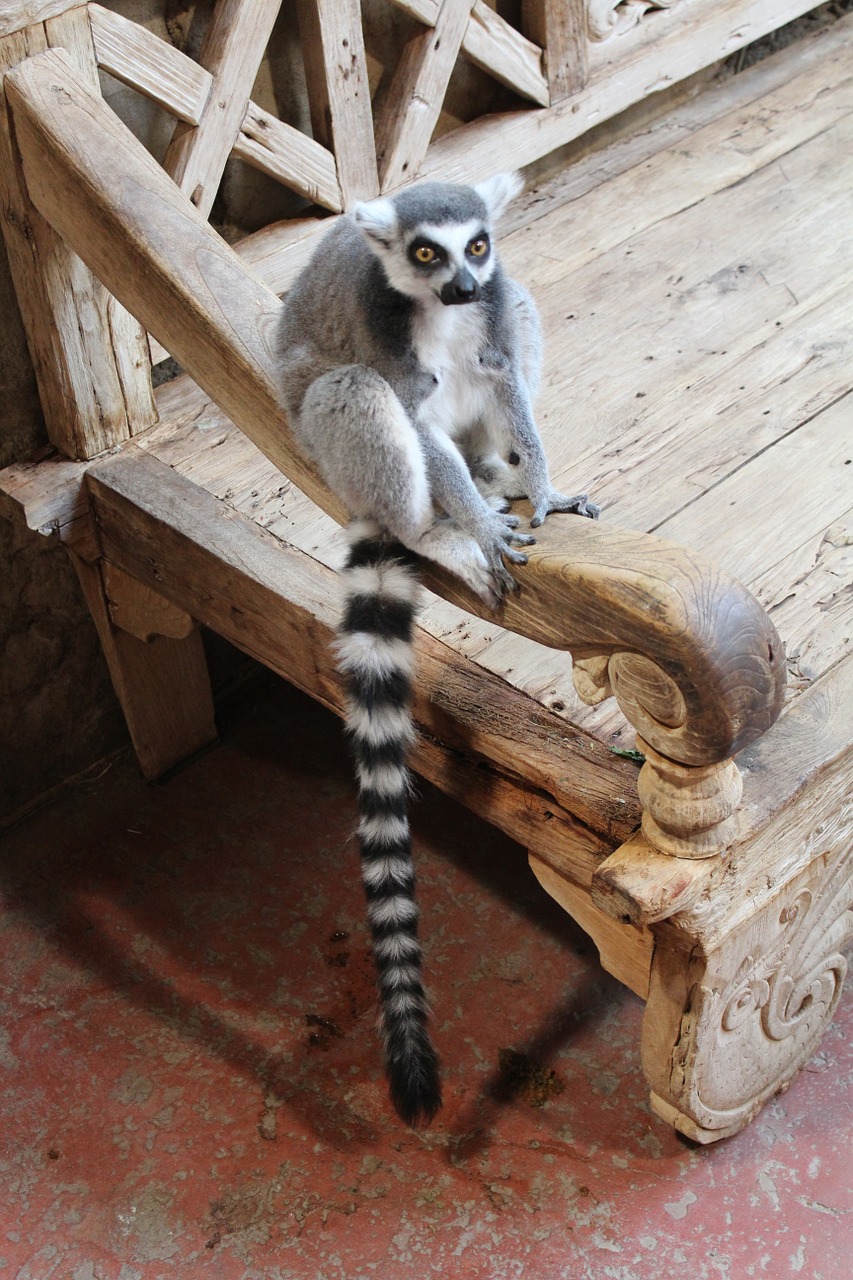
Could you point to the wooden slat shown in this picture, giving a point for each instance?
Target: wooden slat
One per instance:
(150, 65)
(339, 91)
(289, 156)
(232, 50)
(416, 94)
(637, 68)
(808, 473)
(162, 684)
(279, 252)
(15, 15)
(492, 44)
(714, 158)
(808, 595)
(162, 73)
(113, 202)
(87, 354)
(495, 46)
(745, 300)
(279, 264)
(127, 339)
(560, 27)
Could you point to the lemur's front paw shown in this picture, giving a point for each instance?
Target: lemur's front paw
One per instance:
(579, 505)
(500, 539)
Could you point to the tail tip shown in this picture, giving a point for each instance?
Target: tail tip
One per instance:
(414, 1080)
(417, 1101)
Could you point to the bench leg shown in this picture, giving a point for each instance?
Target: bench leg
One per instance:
(730, 1022)
(157, 665)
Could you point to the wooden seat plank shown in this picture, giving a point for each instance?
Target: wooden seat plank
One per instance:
(784, 496)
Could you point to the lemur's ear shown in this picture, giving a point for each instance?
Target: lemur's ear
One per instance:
(377, 220)
(499, 191)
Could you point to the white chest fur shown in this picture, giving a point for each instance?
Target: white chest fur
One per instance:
(447, 343)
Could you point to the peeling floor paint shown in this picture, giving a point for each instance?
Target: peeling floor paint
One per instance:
(191, 1075)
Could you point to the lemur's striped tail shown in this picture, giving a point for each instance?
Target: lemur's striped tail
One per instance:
(375, 652)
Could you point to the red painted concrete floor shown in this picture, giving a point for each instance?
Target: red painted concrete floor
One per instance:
(191, 1077)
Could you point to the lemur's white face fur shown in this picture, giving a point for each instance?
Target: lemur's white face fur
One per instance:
(434, 240)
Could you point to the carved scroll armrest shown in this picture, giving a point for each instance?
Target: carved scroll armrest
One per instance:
(691, 657)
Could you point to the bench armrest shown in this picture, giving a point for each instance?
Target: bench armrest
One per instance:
(691, 656)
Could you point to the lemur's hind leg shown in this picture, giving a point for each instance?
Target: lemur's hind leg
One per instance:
(355, 427)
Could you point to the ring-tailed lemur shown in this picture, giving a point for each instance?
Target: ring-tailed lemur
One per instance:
(410, 361)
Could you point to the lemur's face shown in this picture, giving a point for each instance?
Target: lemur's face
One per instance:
(449, 262)
(435, 240)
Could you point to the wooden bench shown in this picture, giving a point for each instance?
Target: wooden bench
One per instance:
(720, 890)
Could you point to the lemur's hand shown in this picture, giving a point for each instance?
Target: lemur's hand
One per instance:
(498, 537)
(579, 505)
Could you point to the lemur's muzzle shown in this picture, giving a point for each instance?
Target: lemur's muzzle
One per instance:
(464, 287)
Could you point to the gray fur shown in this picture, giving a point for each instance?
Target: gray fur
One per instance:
(412, 408)
(409, 363)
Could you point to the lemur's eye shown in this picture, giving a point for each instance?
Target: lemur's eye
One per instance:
(479, 248)
(424, 253)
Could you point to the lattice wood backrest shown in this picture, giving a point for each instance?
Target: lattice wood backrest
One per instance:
(350, 156)
(93, 376)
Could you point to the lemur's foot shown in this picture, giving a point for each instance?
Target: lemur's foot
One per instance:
(478, 560)
(579, 505)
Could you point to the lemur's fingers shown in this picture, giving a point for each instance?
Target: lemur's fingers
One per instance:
(513, 556)
(502, 582)
(579, 505)
(522, 539)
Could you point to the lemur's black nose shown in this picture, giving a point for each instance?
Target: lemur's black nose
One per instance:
(464, 287)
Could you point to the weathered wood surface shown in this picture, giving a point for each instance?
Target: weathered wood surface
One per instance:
(338, 91)
(588, 588)
(15, 15)
(491, 43)
(625, 71)
(793, 775)
(743, 985)
(414, 101)
(89, 355)
(339, 164)
(626, 949)
(231, 52)
(561, 30)
(162, 684)
(738, 343)
(155, 68)
(180, 541)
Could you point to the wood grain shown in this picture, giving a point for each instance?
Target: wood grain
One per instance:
(233, 46)
(491, 43)
(267, 598)
(627, 71)
(560, 27)
(149, 64)
(162, 685)
(339, 91)
(416, 94)
(93, 396)
(587, 588)
(15, 15)
(289, 156)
